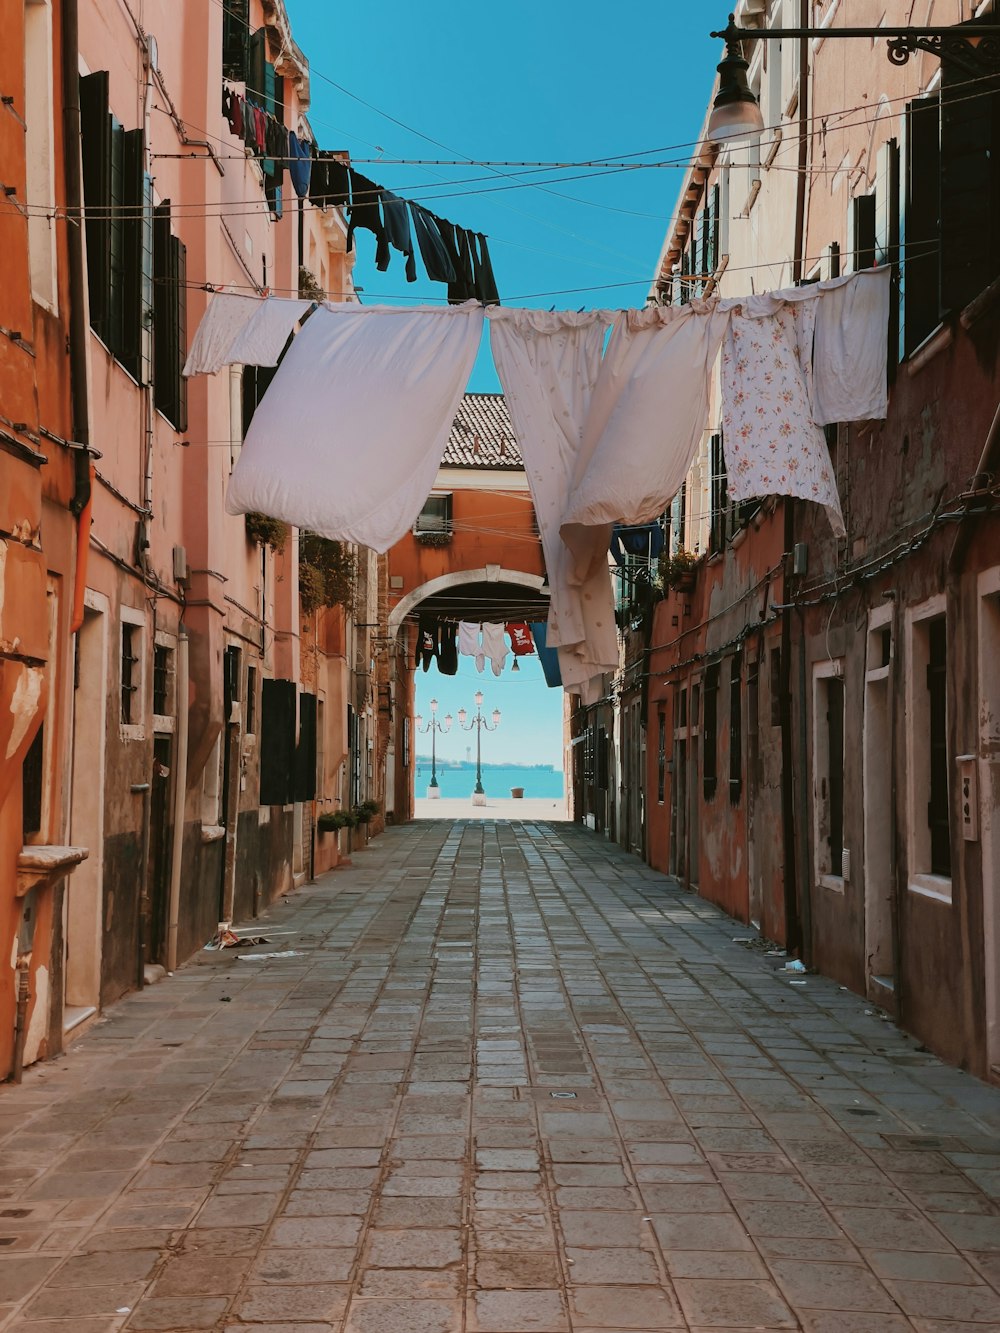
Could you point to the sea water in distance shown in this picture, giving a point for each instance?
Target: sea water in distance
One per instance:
(458, 782)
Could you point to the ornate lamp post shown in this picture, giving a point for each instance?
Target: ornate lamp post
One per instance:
(478, 723)
(434, 726)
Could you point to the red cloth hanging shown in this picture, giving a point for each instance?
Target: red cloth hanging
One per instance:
(521, 640)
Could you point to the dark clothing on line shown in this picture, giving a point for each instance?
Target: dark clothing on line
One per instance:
(396, 221)
(486, 283)
(448, 649)
(366, 213)
(432, 248)
(299, 164)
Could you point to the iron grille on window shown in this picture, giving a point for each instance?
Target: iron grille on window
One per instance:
(130, 660)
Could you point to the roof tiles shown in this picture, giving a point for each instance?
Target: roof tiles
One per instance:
(482, 435)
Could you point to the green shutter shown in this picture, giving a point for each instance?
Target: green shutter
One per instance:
(861, 229)
(133, 228)
(970, 185)
(277, 741)
(146, 286)
(114, 335)
(256, 63)
(180, 385)
(305, 751)
(887, 233)
(920, 224)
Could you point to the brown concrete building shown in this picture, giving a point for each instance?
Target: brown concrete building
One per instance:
(822, 736)
(44, 501)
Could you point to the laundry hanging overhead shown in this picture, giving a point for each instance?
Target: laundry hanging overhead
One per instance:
(243, 330)
(348, 438)
(549, 364)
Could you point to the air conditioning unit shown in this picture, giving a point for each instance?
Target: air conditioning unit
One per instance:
(182, 574)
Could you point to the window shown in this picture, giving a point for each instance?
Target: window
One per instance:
(661, 759)
(39, 100)
(861, 228)
(277, 741)
(929, 778)
(709, 737)
(250, 704)
(735, 727)
(163, 680)
(828, 773)
(970, 184)
(169, 320)
(32, 786)
(720, 495)
(256, 382)
(235, 39)
(435, 517)
(130, 673)
(305, 749)
(118, 195)
(678, 519)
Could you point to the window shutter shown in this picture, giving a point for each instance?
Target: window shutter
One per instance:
(235, 39)
(970, 185)
(720, 494)
(305, 751)
(95, 126)
(133, 227)
(861, 228)
(180, 384)
(920, 223)
(256, 62)
(887, 232)
(277, 741)
(170, 320)
(146, 285)
(114, 335)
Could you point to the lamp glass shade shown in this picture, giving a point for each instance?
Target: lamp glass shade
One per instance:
(462, 715)
(496, 717)
(434, 705)
(735, 120)
(419, 719)
(448, 719)
(479, 698)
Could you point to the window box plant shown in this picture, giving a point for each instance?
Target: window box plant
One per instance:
(678, 570)
(266, 531)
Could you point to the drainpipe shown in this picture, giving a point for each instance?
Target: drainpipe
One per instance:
(78, 304)
(180, 794)
(145, 790)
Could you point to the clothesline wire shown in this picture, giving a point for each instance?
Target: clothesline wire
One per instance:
(914, 249)
(465, 160)
(612, 169)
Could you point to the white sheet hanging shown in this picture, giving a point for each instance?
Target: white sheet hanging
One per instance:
(646, 419)
(549, 365)
(348, 438)
(243, 330)
(849, 355)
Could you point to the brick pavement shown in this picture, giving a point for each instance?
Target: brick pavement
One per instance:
(511, 1080)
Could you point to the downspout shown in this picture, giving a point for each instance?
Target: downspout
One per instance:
(82, 500)
(181, 685)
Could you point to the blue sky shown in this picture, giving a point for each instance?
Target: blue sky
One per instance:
(549, 80)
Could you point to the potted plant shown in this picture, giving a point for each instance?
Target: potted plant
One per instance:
(332, 821)
(678, 570)
(266, 531)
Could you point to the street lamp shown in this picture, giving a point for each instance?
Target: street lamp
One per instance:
(478, 723)
(434, 726)
(974, 47)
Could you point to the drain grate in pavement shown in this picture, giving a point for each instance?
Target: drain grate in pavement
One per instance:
(567, 1096)
(861, 1110)
(923, 1143)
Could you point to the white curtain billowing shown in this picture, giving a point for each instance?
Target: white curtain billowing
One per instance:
(549, 365)
(646, 419)
(349, 436)
(243, 330)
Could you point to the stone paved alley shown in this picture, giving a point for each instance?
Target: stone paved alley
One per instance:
(509, 1079)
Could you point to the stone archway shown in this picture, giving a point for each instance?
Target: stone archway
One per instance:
(457, 579)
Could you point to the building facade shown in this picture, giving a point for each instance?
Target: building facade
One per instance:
(821, 716)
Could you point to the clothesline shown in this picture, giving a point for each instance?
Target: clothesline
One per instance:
(607, 426)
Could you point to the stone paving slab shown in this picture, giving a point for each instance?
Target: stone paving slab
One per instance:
(506, 1079)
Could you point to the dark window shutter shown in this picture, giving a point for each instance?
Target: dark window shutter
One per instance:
(134, 240)
(720, 495)
(862, 231)
(256, 381)
(920, 224)
(114, 335)
(277, 741)
(146, 285)
(256, 61)
(170, 320)
(235, 38)
(305, 751)
(735, 727)
(970, 185)
(95, 133)
(887, 232)
(709, 762)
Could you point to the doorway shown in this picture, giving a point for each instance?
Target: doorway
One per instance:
(159, 849)
(83, 924)
(878, 818)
